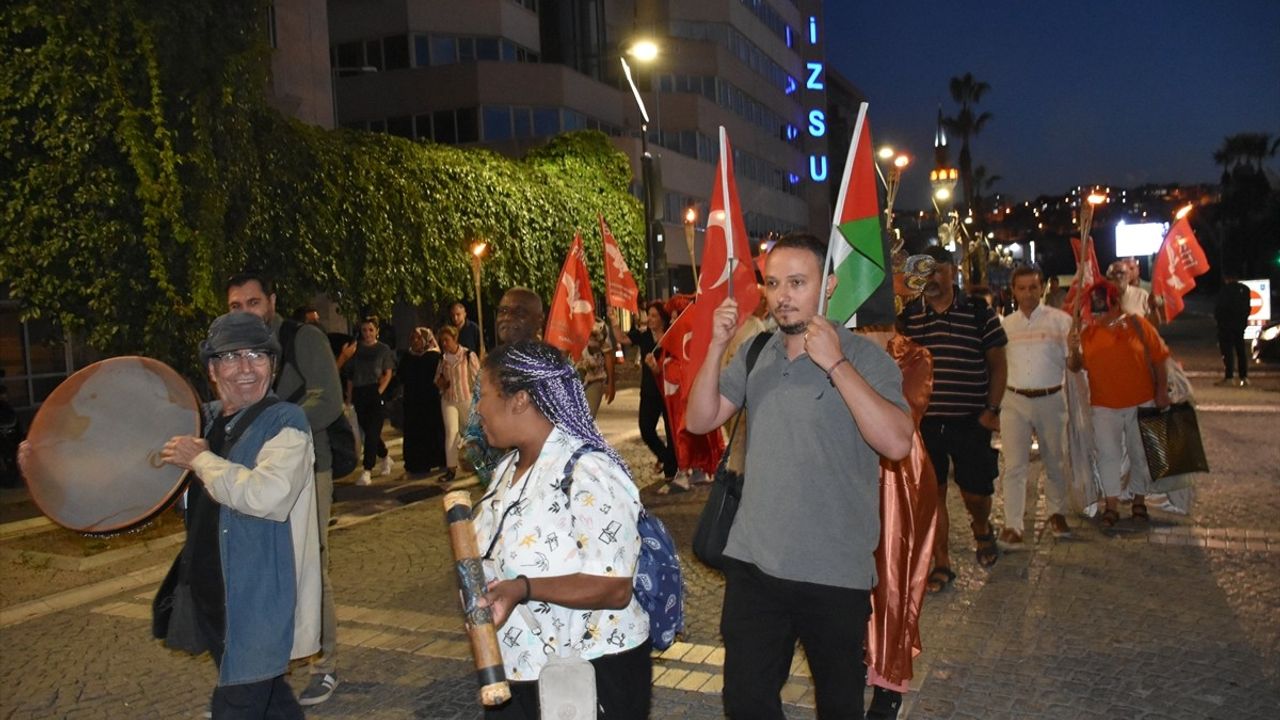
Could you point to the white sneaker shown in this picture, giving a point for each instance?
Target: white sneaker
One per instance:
(386, 466)
(365, 479)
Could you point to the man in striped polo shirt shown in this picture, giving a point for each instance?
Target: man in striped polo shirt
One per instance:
(967, 343)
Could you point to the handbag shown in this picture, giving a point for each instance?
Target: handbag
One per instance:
(1171, 440)
(716, 520)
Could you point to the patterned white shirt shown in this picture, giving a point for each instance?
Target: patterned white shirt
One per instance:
(547, 533)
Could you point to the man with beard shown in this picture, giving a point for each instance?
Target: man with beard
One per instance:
(520, 317)
(800, 561)
(967, 343)
(309, 378)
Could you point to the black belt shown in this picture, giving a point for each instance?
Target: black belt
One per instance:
(1045, 392)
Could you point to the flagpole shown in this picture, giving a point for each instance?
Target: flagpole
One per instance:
(844, 188)
(728, 221)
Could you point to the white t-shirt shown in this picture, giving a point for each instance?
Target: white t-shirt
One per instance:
(546, 534)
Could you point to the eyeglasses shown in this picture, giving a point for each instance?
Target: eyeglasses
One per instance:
(255, 357)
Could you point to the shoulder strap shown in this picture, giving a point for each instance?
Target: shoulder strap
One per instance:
(245, 420)
(753, 353)
(288, 338)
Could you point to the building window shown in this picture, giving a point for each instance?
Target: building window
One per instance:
(468, 126)
(422, 127)
(522, 120)
(466, 49)
(446, 127)
(546, 122)
(421, 51)
(497, 123)
(444, 50)
(487, 48)
(402, 126)
(350, 58)
(396, 51)
(373, 54)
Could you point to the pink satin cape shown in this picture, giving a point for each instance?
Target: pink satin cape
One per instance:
(908, 504)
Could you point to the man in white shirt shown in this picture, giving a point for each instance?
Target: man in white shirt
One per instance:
(1133, 299)
(1037, 359)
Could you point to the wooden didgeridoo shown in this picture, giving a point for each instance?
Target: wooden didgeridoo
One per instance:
(484, 636)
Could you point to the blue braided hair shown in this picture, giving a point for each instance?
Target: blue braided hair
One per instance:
(553, 385)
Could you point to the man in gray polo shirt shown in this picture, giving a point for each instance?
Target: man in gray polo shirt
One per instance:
(825, 405)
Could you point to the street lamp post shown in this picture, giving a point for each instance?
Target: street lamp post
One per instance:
(690, 218)
(897, 163)
(478, 249)
(645, 51)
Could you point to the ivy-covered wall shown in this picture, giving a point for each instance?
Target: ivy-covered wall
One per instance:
(142, 166)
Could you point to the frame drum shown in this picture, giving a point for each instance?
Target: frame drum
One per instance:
(94, 464)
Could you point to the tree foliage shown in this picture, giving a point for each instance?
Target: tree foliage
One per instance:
(142, 165)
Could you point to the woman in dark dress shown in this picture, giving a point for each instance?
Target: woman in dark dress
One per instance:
(423, 427)
(652, 407)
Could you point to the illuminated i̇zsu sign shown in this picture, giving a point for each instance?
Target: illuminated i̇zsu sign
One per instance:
(815, 89)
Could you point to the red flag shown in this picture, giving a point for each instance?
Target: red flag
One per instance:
(1087, 273)
(619, 283)
(573, 310)
(693, 452)
(725, 247)
(1180, 260)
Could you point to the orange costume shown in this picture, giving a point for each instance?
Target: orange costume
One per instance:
(908, 503)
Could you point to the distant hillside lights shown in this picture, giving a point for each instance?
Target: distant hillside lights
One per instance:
(816, 84)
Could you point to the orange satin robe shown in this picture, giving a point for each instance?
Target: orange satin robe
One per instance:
(908, 504)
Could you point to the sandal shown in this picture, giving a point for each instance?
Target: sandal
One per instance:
(987, 552)
(1140, 512)
(1110, 517)
(940, 579)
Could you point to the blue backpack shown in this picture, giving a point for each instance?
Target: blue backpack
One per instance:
(658, 584)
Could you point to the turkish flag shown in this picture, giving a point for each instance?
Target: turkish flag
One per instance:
(1180, 261)
(619, 283)
(1087, 273)
(693, 452)
(726, 254)
(573, 309)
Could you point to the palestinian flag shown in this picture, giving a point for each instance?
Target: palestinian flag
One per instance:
(858, 251)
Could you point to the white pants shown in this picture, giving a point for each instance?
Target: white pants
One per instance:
(455, 416)
(1115, 436)
(1047, 415)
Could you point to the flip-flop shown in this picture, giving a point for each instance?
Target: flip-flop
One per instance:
(940, 579)
(987, 553)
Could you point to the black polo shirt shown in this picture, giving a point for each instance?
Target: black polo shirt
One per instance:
(958, 338)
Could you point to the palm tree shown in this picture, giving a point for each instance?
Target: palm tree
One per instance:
(967, 123)
(983, 184)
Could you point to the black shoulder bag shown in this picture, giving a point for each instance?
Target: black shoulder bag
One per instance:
(716, 520)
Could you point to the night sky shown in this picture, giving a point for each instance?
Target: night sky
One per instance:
(1084, 92)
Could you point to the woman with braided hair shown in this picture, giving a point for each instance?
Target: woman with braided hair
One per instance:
(560, 527)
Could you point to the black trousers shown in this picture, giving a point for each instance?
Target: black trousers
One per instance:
(624, 689)
(1235, 351)
(763, 616)
(264, 700)
(652, 409)
(370, 413)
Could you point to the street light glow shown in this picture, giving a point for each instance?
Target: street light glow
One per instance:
(1096, 198)
(901, 161)
(644, 51)
(1182, 212)
(885, 152)
(942, 194)
(478, 248)
(690, 216)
